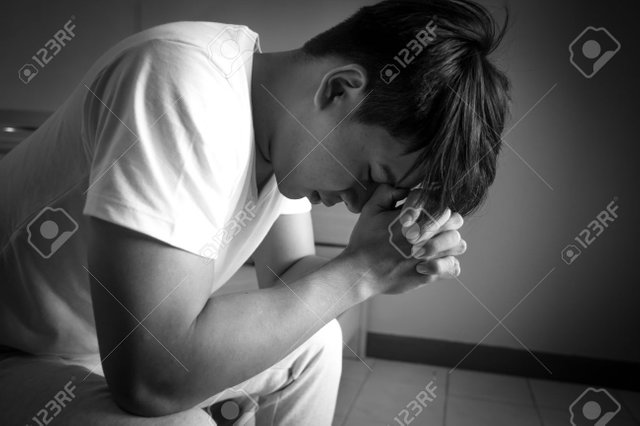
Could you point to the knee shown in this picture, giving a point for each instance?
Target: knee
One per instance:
(333, 335)
(329, 342)
(321, 354)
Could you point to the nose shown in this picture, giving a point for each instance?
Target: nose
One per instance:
(357, 197)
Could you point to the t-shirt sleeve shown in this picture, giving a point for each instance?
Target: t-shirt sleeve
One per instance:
(289, 206)
(160, 165)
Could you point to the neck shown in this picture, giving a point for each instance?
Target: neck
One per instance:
(269, 71)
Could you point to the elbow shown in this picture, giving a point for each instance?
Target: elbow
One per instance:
(146, 398)
(142, 403)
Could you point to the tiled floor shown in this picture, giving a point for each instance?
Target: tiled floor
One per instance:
(376, 394)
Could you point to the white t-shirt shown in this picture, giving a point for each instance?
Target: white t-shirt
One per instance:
(157, 138)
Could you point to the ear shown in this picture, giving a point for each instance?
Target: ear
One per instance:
(341, 83)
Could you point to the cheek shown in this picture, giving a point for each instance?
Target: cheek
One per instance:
(305, 166)
(293, 171)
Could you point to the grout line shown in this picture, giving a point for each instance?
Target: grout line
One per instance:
(446, 398)
(535, 401)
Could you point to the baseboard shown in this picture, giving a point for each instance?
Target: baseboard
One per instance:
(566, 368)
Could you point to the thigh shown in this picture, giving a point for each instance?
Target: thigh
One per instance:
(37, 391)
(265, 387)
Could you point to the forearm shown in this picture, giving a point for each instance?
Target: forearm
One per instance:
(298, 270)
(236, 336)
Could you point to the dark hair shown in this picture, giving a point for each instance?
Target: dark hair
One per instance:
(449, 103)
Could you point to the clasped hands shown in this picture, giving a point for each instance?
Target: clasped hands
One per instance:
(437, 242)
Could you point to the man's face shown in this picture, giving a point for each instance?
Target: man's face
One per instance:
(346, 167)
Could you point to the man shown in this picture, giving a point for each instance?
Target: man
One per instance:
(116, 213)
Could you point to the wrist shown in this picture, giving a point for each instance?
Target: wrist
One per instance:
(353, 265)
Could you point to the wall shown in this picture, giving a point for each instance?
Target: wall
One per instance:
(572, 155)
(568, 158)
(26, 26)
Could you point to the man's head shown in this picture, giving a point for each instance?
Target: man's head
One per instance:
(433, 118)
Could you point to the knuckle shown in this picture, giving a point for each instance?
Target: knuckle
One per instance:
(448, 239)
(429, 249)
(431, 267)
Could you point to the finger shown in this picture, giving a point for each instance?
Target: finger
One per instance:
(455, 222)
(461, 248)
(442, 241)
(416, 233)
(385, 197)
(447, 266)
(410, 208)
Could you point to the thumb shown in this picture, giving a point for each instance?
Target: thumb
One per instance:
(385, 197)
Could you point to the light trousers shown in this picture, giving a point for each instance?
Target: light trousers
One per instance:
(300, 389)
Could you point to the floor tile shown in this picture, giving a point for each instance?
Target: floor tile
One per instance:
(393, 387)
(476, 412)
(555, 398)
(354, 421)
(378, 397)
(558, 395)
(406, 373)
(553, 417)
(494, 387)
(632, 402)
(347, 395)
(354, 373)
(354, 369)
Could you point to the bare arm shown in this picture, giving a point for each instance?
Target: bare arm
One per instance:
(287, 251)
(190, 346)
(166, 345)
